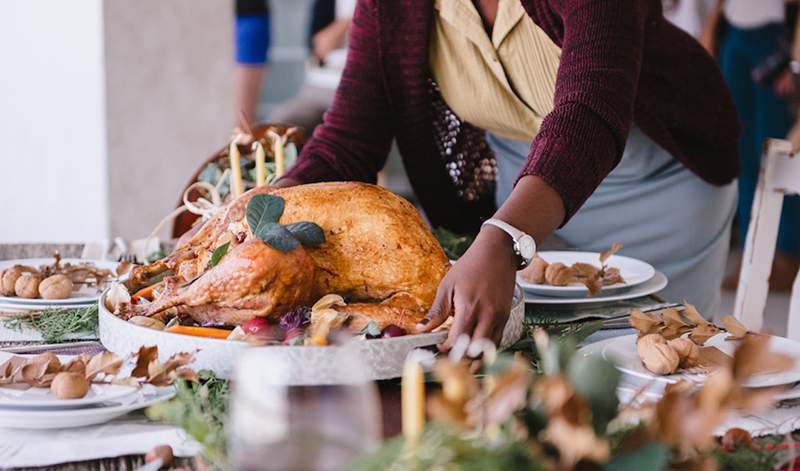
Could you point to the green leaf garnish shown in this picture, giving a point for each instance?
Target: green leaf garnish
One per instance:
(308, 233)
(280, 238)
(219, 252)
(371, 329)
(263, 210)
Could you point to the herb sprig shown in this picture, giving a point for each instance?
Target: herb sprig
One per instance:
(56, 324)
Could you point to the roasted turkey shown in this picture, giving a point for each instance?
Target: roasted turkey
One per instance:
(378, 254)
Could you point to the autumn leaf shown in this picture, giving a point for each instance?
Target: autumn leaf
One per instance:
(702, 332)
(736, 329)
(107, 362)
(144, 357)
(644, 323)
(674, 326)
(616, 247)
(753, 356)
(693, 314)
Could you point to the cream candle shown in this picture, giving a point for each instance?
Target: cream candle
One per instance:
(261, 158)
(236, 169)
(413, 402)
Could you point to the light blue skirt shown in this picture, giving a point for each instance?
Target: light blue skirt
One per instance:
(662, 212)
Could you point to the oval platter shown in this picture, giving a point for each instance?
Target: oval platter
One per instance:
(313, 365)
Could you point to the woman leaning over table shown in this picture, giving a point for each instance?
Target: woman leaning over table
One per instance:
(596, 120)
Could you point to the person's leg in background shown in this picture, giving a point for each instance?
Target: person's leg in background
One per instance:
(253, 33)
(773, 119)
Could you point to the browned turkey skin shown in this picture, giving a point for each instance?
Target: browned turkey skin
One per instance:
(378, 254)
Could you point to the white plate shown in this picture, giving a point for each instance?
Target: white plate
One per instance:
(314, 365)
(622, 351)
(654, 285)
(90, 415)
(83, 295)
(634, 272)
(43, 398)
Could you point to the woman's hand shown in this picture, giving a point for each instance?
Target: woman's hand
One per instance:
(478, 289)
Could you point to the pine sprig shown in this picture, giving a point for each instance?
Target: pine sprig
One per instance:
(56, 324)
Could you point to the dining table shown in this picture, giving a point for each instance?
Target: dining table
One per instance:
(613, 316)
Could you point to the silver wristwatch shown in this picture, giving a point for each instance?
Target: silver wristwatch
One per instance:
(524, 245)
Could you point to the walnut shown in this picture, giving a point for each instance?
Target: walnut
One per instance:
(56, 287)
(687, 351)
(27, 286)
(68, 385)
(558, 274)
(656, 355)
(534, 273)
(10, 276)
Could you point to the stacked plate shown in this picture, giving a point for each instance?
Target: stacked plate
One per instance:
(640, 279)
(85, 296)
(638, 382)
(38, 408)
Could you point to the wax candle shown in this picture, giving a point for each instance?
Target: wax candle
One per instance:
(280, 167)
(261, 171)
(236, 169)
(413, 402)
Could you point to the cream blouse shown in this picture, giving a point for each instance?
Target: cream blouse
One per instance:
(504, 84)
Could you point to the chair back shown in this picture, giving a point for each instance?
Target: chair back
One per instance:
(779, 176)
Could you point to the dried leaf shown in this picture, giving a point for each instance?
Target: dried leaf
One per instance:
(575, 443)
(612, 276)
(159, 374)
(682, 386)
(38, 370)
(616, 247)
(694, 316)
(714, 357)
(644, 323)
(753, 356)
(77, 365)
(736, 329)
(187, 374)
(674, 326)
(585, 270)
(509, 392)
(107, 362)
(129, 381)
(702, 332)
(144, 357)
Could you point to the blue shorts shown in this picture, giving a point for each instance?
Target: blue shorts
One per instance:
(253, 34)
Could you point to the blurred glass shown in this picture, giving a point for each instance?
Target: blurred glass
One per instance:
(275, 426)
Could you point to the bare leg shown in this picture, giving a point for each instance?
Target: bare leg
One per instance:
(247, 89)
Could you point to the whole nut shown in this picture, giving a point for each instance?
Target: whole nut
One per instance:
(534, 273)
(67, 385)
(10, 276)
(27, 286)
(656, 355)
(56, 287)
(687, 351)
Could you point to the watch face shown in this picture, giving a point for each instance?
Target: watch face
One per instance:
(527, 247)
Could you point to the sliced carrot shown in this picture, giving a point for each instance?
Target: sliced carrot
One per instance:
(148, 291)
(200, 331)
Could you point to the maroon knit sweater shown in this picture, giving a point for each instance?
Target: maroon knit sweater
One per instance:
(621, 62)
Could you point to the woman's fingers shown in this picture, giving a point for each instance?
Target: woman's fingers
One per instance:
(463, 323)
(440, 310)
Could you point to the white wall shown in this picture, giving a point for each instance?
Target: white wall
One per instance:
(52, 138)
(106, 108)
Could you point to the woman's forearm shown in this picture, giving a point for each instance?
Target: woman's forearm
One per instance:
(533, 207)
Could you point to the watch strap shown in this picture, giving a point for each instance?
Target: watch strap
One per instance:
(505, 227)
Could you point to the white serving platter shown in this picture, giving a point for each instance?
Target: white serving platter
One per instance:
(83, 295)
(654, 285)
(634, 272)
(80, 417)
(312, 365)
(622, 351)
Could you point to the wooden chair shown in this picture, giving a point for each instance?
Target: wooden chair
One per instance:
(779, 176)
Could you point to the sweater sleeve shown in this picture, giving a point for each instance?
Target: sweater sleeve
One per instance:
(582, 139)
(353, 141)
